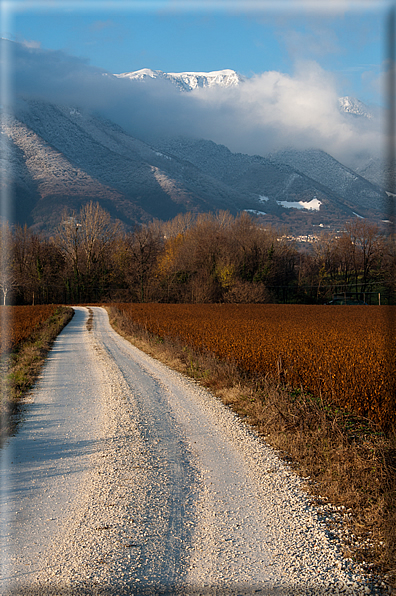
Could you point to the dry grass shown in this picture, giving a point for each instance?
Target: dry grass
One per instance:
(343, 355)
(19, 322)
(348, 462)
(89, 323)
(21, 368)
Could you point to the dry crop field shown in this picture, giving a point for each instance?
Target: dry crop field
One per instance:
(19, 322)
(341, 354)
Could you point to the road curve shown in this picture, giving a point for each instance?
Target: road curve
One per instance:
(127, 478)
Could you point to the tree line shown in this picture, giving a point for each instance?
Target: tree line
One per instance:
(194, 258)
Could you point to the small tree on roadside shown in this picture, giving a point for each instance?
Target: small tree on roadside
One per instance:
(7, 277)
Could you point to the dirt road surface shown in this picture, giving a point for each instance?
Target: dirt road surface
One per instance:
(127, 478)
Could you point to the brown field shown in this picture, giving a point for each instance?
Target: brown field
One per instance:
(343, 355)
(19, 322)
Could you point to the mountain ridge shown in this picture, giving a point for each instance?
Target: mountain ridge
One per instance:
(189, 80)
(63, 157)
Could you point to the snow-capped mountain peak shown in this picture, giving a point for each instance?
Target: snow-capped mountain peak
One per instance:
(141, 74)
(187, 81)
(351, 105)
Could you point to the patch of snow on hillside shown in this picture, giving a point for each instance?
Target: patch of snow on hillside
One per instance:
(263, 198)
(357, 215)
(313, 205)
(255, 212)
(163, 155)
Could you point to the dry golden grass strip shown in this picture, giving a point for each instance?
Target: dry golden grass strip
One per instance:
(19, 322)
(342, 355)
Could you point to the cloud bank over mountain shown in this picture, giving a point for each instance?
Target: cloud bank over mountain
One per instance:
(265, 113)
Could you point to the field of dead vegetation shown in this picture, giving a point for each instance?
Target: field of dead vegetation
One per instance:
(19, 322)
(343, 355)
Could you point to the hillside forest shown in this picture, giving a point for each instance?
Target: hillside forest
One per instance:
(193, 258)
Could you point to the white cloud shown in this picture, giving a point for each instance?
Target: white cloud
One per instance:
(31, 44)
(273, 110)
(269, 111)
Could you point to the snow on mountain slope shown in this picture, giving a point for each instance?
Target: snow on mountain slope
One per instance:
(313, 205)
(377, 170)
(280, 183)
(351, 105)
(63, 157)
(44, 173)
(134, 181)
(187, 81)
(48, 167)
(323, 168)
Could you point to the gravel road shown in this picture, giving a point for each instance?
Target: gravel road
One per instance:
(127, 478)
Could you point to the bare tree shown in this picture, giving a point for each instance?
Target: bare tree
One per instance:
(37, 265)
(143, 247)
(7, 277)
(178, 225)
(344, 257)
(69, 239)
(85, 240)
(365, 245)
(7, 284)
(97, 233)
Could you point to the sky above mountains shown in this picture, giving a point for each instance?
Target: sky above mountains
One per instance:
(344, 37)
(299, 57)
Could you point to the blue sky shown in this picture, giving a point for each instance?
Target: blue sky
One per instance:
(345, 38)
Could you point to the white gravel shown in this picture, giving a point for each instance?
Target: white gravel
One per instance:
(127, 478)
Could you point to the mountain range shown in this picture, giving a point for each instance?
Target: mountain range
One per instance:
(61, 157)
(187, 81)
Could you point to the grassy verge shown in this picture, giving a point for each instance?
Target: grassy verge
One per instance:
(348, 463)
(22, 367)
